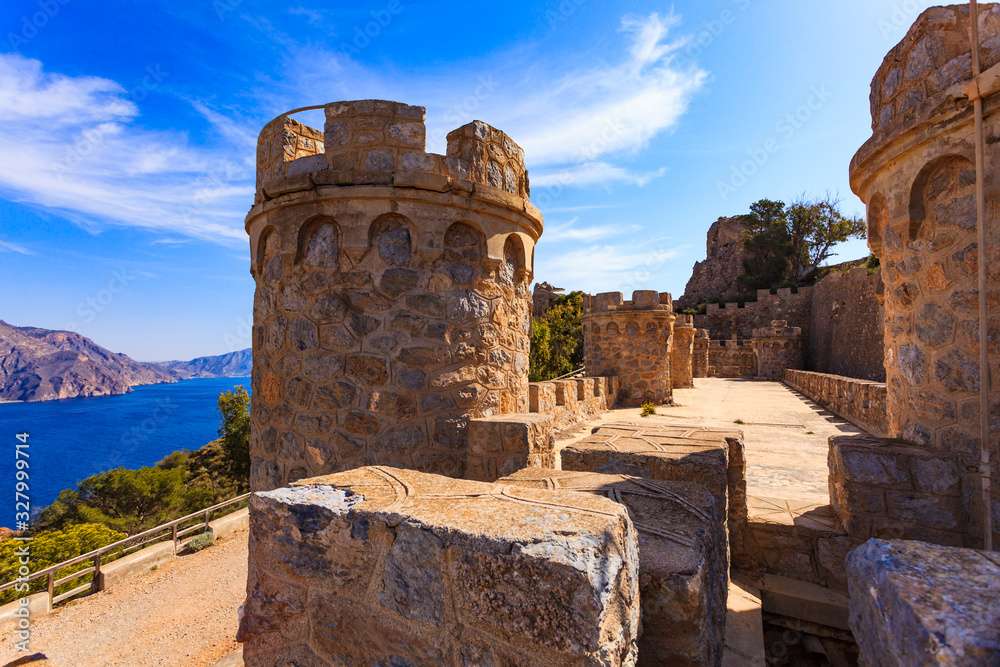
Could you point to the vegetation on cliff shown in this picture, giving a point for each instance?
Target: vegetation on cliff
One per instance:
(557, 339)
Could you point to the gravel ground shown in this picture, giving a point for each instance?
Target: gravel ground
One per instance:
(183, 613)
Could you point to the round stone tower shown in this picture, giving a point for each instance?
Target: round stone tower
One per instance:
(682, 353)
(778, 347)
(631, 340)
(917, 176)
(392, 300)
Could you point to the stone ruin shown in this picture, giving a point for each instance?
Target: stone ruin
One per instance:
(392, 316)
(542, 297)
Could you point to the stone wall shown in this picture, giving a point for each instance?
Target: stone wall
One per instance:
(861, 402)
(731, 359)
(392, 299)
(896, 490)
(571, 401)
(847, 326)
(283, 141)
(778, 347)
(724, 321)
(917, 177)
(630, 340)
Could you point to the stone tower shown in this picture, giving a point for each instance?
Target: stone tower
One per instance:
(917, 176)
(682, 353)
(631, 340)
(778, 347)
(392, 291)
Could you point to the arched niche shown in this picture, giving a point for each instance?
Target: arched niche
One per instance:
(464, 248)
(392, 239)
(512, 270)
(319, 244)
(946, 174)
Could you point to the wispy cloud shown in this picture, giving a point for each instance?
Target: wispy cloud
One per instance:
(569, 231)
(603, 268)
(7, 246)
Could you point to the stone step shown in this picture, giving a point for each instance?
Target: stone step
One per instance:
(744, 626)
(803, 601)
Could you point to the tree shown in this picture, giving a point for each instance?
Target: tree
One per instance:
(767, 245)
(815, 227)
(557, 339)
(234, 431)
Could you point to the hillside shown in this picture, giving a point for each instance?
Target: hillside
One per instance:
(234, 364)
(41, 364)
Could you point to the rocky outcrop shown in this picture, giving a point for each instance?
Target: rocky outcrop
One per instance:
(41, 364)
(234, 364)
(717, 275)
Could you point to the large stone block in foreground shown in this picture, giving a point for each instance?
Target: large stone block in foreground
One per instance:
(713, 458)
(682, 577)
(395, 567)
(914, 603)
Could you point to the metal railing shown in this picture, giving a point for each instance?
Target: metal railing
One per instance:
(576, 373)
(137, 541)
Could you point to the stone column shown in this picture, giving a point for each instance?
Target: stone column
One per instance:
(699, 358)
(917, 177)
(392, 299)
(778, 347)
(682, 353)
(630, 340)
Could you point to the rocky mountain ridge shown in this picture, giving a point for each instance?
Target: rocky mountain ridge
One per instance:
(233, 364)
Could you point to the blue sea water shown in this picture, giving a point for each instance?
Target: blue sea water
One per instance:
(74, 438)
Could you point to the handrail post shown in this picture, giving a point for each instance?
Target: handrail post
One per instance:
(52, 578)
(95, 583)
(173, 533)
(207, 515)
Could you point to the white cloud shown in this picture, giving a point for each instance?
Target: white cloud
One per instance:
(606, 268)
(75, 145)
(7, 246)
(593, 173)
(568, 231)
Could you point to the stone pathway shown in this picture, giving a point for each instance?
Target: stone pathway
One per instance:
(785, 434)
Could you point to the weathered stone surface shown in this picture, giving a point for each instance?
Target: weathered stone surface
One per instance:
(502, 444)
(388, 566)
(682, 577)
(858, 401)
(914, 603)
(631, 342)
(717, 275)
(682, 353)
(778, 347)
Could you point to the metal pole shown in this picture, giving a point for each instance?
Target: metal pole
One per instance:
(984, 368)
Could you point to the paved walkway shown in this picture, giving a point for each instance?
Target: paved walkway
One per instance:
(785, 433)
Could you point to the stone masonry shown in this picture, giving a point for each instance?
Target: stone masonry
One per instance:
(682, 586)
(731, 359)
(699, 354)
(632, 341)
(381, 566)
(682, 353)
(914, 603)
(778, 347)
(858, 401)
(392, 291)
(917, 177)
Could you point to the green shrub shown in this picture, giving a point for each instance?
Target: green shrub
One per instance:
(202, 541)
(648, 409)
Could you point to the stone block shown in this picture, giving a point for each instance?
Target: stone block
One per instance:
(914, 603)
(502, 444)
(683, 582)
(387, 566)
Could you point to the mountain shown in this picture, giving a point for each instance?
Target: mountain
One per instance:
(234, 364)
(41, 364)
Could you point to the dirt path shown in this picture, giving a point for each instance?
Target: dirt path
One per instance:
(183, 613)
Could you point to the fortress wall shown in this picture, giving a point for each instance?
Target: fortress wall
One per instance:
(847, 326)
(727, 320)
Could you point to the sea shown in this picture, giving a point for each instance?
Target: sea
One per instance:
(71, 439)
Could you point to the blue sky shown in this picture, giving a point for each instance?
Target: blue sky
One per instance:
(127, 134)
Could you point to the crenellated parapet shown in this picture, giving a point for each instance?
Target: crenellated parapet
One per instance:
(392, 298)
(631, 340)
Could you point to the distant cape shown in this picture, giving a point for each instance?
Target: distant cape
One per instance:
(42, 364)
